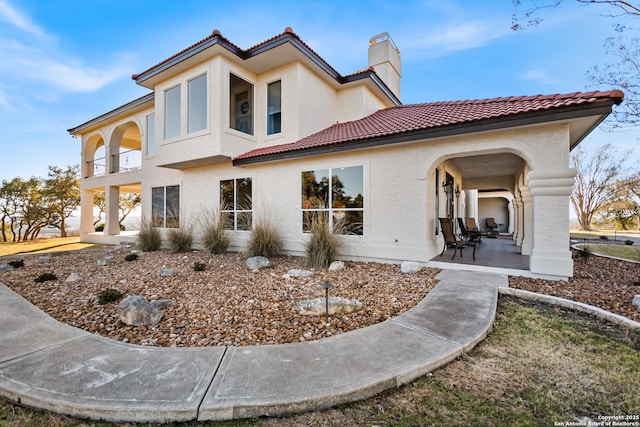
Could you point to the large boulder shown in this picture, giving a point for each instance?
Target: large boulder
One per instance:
(5, 267)
(258, 262)
(137, 311)
(337, 305)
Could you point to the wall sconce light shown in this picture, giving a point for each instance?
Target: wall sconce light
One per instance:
(457, 191)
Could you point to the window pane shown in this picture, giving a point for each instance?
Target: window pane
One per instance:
(244, 220)
(241, 104)
(315, 189)
(274, 106)
(348, 222)
(172, 113)
(309, 217)
(346, 187)
(226, 195)
(151, 134)
(243, 194)
(157, 207)
(173, 206)
(197, 104)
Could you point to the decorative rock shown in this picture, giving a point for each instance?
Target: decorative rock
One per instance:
(164, 272)
(74, 277)
(258, 262)
(409, 267)
(636, 301)
(162, 303)
(336, 265)
(137, 311)
(296, 272)
(45, 259)
(106, 260)
(5, 267)
(337, 305)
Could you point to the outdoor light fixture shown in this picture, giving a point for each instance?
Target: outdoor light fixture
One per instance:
(457, 191)
(326, 286)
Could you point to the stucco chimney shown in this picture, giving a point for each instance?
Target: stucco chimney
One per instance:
(384, 57)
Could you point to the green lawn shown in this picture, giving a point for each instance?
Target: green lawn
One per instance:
(618, 251)
(539, 366)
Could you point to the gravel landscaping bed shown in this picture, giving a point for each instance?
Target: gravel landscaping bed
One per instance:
(227, 304)
(606, 283)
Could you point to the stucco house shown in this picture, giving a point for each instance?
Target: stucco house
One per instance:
(267, 130)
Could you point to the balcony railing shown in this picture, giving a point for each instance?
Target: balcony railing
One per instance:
(126, 161)
(96, 167)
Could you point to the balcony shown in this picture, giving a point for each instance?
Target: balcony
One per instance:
(126, 161)
(96, 167)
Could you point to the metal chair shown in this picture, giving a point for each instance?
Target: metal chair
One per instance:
(450, 240)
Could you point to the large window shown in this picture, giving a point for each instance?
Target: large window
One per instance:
(241, 104)
(151, 134)
(335, 195)
(274, 107)
(197, 113)
(172, 113)
(165, 206)
(235, 199)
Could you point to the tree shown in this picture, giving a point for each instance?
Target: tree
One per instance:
(624, 73)
(623, 207)
(127, 203)
(61, 195)
(596, 172)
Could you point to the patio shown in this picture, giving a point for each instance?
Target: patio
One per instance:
(500, 252)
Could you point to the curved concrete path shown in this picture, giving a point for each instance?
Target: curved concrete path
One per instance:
(49, 365)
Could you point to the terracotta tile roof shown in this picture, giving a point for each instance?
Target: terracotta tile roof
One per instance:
(217, 37)
(411, 118)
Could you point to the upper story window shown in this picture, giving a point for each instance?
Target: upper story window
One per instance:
(274, 107)
(151, 134)
(335, 195)
(241, 105)
(197, 108)
(172, 112)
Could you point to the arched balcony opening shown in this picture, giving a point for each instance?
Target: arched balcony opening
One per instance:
(95, 157)
(125, 151)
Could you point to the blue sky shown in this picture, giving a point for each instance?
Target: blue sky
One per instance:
(64, 62)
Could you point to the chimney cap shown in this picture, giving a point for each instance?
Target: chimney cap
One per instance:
(383, 37)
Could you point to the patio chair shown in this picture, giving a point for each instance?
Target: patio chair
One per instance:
(468, 234)
(450, 240)
(491, 224)
(471, 224)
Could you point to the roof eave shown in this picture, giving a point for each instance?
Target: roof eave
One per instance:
(602, 109)
(126, 108)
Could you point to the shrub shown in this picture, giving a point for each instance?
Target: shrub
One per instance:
(265, 239)
(199, 266)
(584, 252)
(626, 242)
(131, 257)
(16, 263)
(149, 238)
(215, 238)
(45, 277)
(324, 244)
(109, 295)
(604, 237)
(100, 227)
(180, 240)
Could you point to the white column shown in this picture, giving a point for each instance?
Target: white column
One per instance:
(550, 190)
(472, 204)
(112, 211)
(511, 216)
(517, 235)
(527, 221)
(86, 212)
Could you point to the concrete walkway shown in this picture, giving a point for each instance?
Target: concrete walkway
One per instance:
(49, 365)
